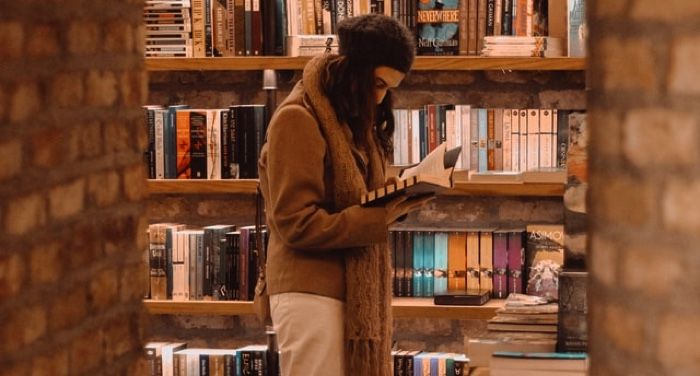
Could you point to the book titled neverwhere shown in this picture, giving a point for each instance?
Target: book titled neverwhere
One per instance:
(432, 175)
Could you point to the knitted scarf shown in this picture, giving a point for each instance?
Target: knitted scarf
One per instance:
(368, 320)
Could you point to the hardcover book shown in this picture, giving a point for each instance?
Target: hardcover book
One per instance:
(464, 297)
(430, 176)
(573, 308)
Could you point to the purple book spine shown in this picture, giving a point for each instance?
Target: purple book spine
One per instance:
(515, 262)
(500, 265)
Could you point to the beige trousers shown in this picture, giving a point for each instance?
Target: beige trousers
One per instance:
(309, 334)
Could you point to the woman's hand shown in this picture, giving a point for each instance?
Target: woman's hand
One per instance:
(402, 205)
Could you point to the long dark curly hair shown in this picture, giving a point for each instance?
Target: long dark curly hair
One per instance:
(351, 91)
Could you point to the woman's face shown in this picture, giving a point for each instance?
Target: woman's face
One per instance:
(385, 78)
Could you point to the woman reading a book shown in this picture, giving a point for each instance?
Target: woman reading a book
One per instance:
(328, 264)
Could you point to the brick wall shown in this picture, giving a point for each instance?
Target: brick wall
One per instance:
(493, 89)
(645, 183)
(71, 187)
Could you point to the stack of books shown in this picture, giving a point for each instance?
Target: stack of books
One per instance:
(510, 46)
(505, 363)
(168, 28)
(524, 313)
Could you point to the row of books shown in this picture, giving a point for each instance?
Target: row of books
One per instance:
(492, 139)
(203, 28)
(218, 262)
(186, 143)
(176, 359)
(430, 263)
(425, 363)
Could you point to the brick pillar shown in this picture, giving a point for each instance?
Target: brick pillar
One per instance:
(71, 187)
(645, 187)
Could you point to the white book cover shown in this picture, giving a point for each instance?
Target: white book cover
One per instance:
(415, 136)
(465, 119)
(515, 140)
(533, 139)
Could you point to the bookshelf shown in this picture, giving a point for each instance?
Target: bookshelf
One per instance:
(462, 188)
(428, 63)
(402, 307)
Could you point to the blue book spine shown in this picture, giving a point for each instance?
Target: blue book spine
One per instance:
(440, 262)
(418, 264)
(483, 166)
(434, 365)
(429, 264)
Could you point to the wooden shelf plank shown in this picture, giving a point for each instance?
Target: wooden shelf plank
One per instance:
(402, 307)
(202, 186)
(462, 188)
(452, 63)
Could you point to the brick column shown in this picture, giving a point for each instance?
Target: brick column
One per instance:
(71, 187)
(645, 186)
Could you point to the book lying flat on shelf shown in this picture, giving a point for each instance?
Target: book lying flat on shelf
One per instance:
(432, 175)
(465, 297)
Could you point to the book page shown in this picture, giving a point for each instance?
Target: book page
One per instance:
(432, 164)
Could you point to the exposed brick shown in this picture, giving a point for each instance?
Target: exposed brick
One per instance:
(104, 289)
(116, 137)
(683, 74)
(618, 73)
(43, 41)
(67, 89)
(625, 329)
(56, 361)
(664, 11)
(69, 309)
(101, 88)
(45, 263)
(67, 199)
(85, 354)
(678, 350)
(625, 201)
(667, 268)
(118, 339)
(118, 38)
(103, 188)
(25, 100)
(134, 179)
(134, 282)
(568, 99)
(11, 39)
(10, 159)
(644, 130)
(83, 37)
(25, 213)
(89, 139)
(604, 259)
(11, 275)
(680, 206)
(49, 148)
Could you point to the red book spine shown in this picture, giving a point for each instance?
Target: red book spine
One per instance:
(515, 262)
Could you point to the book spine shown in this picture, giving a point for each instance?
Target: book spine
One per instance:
(515, 140)
(423, 133)
(418, 265)
(486, 261)
(533, 139)
(248, 27)
(498, 139)
(225, 137)
(465, 125)
(483, 140)
(235, 127)
(490, 140)
(498, 17)
(239, 31)
(440, 273)
(562, 137)
(473, 26)
(545, 140)
(151, 149)
(429, 264)
(507, 23)
(408, 239)
(464, 27)
(481, 25)
(523, 150)
(182, 132)
(490, 16)
(507, 141)
(198, 144)
(572, 333)
(516, 259)
(474, 139)
(198, 32)
(500, 265)
(159, 144)
(256, 33)
(457, 261)
(208, 32)
(473, 260)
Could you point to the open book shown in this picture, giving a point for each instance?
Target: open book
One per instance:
(431, 175)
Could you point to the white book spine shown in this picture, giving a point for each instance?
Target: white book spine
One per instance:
(555, 120)
(415, 136)
(546, 138)
(533, 139)
(450, 132)
(178, 265)
(403, 121)
(523, 140)
(397, 138)
(507, 144)
(160, 157)
(466, 136)
(457, 126)
(214, 144)
(515, 140)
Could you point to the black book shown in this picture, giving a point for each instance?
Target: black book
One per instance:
(465, 297)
